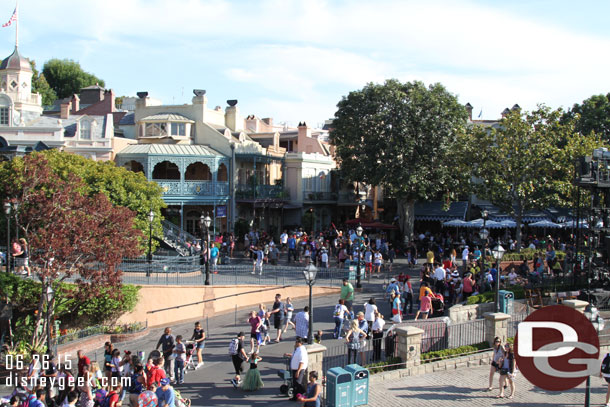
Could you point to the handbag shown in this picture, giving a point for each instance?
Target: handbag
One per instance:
(503, 371)
(396, 318)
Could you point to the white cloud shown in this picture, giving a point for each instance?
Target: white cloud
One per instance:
(305, 55)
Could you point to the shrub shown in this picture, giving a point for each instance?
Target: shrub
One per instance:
(387, 365)
(481, 298)
(449, 353)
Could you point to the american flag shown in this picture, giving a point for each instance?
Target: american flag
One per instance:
(13, 18)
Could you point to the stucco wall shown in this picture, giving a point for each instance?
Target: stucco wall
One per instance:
(160, 305)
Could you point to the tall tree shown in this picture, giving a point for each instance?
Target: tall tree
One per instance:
(400, 136)
(41, 86)
(66, 77)
(122, 187)
(527, 161)
(71, 235)
(593, 115)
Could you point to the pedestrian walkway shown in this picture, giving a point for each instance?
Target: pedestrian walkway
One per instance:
(468, 388)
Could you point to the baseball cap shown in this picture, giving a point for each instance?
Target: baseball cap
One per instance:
(164, 381)
(392, 280)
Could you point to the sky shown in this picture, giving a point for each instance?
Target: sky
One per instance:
(294, 60)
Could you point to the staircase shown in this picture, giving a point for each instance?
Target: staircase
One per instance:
(176, 238)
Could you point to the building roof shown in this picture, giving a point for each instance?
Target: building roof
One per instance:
(167, 117)
(170, 149)
(128, 120)
(434, 210)
(16, 61)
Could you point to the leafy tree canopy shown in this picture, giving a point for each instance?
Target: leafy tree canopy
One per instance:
(66, 77)
(401, 136)
(122, 187)
(527, 161)
(40, 85)
(593, 115)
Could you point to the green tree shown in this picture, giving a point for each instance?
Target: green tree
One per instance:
(122, 187)
(400, 136)
(527, 161)
(66, 77)
(40, 85)
(593, 115)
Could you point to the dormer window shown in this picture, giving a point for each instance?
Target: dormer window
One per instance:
(156, 129)
(85, 130)
(178, 129)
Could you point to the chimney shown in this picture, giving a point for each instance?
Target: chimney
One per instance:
(304, 135)
(469, 110)
(109, 98)
(232, 119)
(268, 121)
(65, 110)
(75, 103)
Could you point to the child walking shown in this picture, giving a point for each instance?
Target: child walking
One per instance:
(253, 380)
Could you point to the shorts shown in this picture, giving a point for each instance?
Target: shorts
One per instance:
(237, 361)
(424, 312)
(607, 379)
(277, 323)
(201, 345)
(254, 335)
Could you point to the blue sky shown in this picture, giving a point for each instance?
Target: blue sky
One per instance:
(294, 60)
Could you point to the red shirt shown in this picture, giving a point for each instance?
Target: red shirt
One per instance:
(113, 399)
(447, 264)
(425, 304)
(156, 374)
(82, 363)
(254, 322)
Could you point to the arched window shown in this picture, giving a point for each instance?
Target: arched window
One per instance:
(134, 166)
(166, 170)
(5, 110)
(85, 130)
(222, 173)
(198, 172)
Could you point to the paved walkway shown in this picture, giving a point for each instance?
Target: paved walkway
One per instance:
(468, 388)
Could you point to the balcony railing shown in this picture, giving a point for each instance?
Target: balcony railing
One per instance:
(261, 191)
(320, 196)
(195, 188)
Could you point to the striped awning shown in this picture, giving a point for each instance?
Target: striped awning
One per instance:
(434, 211)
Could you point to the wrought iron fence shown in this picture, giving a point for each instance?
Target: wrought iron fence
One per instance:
(367, 352)
(513, 324)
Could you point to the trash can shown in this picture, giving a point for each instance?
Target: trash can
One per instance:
(505, 300)
(338, 388)
(360, 385)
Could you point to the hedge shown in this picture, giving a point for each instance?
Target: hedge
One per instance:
(429, 357)
(387, 365)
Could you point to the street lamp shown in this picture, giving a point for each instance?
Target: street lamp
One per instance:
(206, 221)
(359, 231)
(310, 273)
(498, 253)
(7, 210)
(592, 315)
(151, 218)
(16, 210)
(49, 293)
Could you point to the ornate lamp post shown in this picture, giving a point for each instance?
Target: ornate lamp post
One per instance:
(16, 213)
(151, 218)
(498, 253)
(483, 234)
(359, 231)
(7, 211)
(49, 293)
(310, 273)
(205, 222)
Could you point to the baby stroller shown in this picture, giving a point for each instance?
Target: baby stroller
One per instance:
(189, 363)
(438, 306)
(286, 376)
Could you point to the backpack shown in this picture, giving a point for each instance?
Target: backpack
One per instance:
(233, 346)
(101, 398)
(606, 364)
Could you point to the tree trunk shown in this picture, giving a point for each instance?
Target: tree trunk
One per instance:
(406, 215)
(518, 220)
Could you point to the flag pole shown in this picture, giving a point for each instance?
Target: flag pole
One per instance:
(17, 25)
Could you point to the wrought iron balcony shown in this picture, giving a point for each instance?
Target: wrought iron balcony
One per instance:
(245, 191)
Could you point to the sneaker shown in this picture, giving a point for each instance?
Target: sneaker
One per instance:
(253, 272)
(199, 365)
(234, 382)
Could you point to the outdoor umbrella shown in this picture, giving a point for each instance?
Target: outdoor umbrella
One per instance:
(544, 224)
(455, 223)
(509, 223)
(572, 223)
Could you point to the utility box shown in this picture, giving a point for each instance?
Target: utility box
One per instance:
(338, 388)
(505, 301)
(360, 385)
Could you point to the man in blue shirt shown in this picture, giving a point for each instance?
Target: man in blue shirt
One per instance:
(292, 246)
(165, 394)
(214, 258)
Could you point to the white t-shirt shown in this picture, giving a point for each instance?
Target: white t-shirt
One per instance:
(439, 273)
(369, 311)
(378, 258)
(368, 257)
(284, 238)
(180, 347)
(340, 311)
(465, 254)
(299, 356)
(378, 324)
